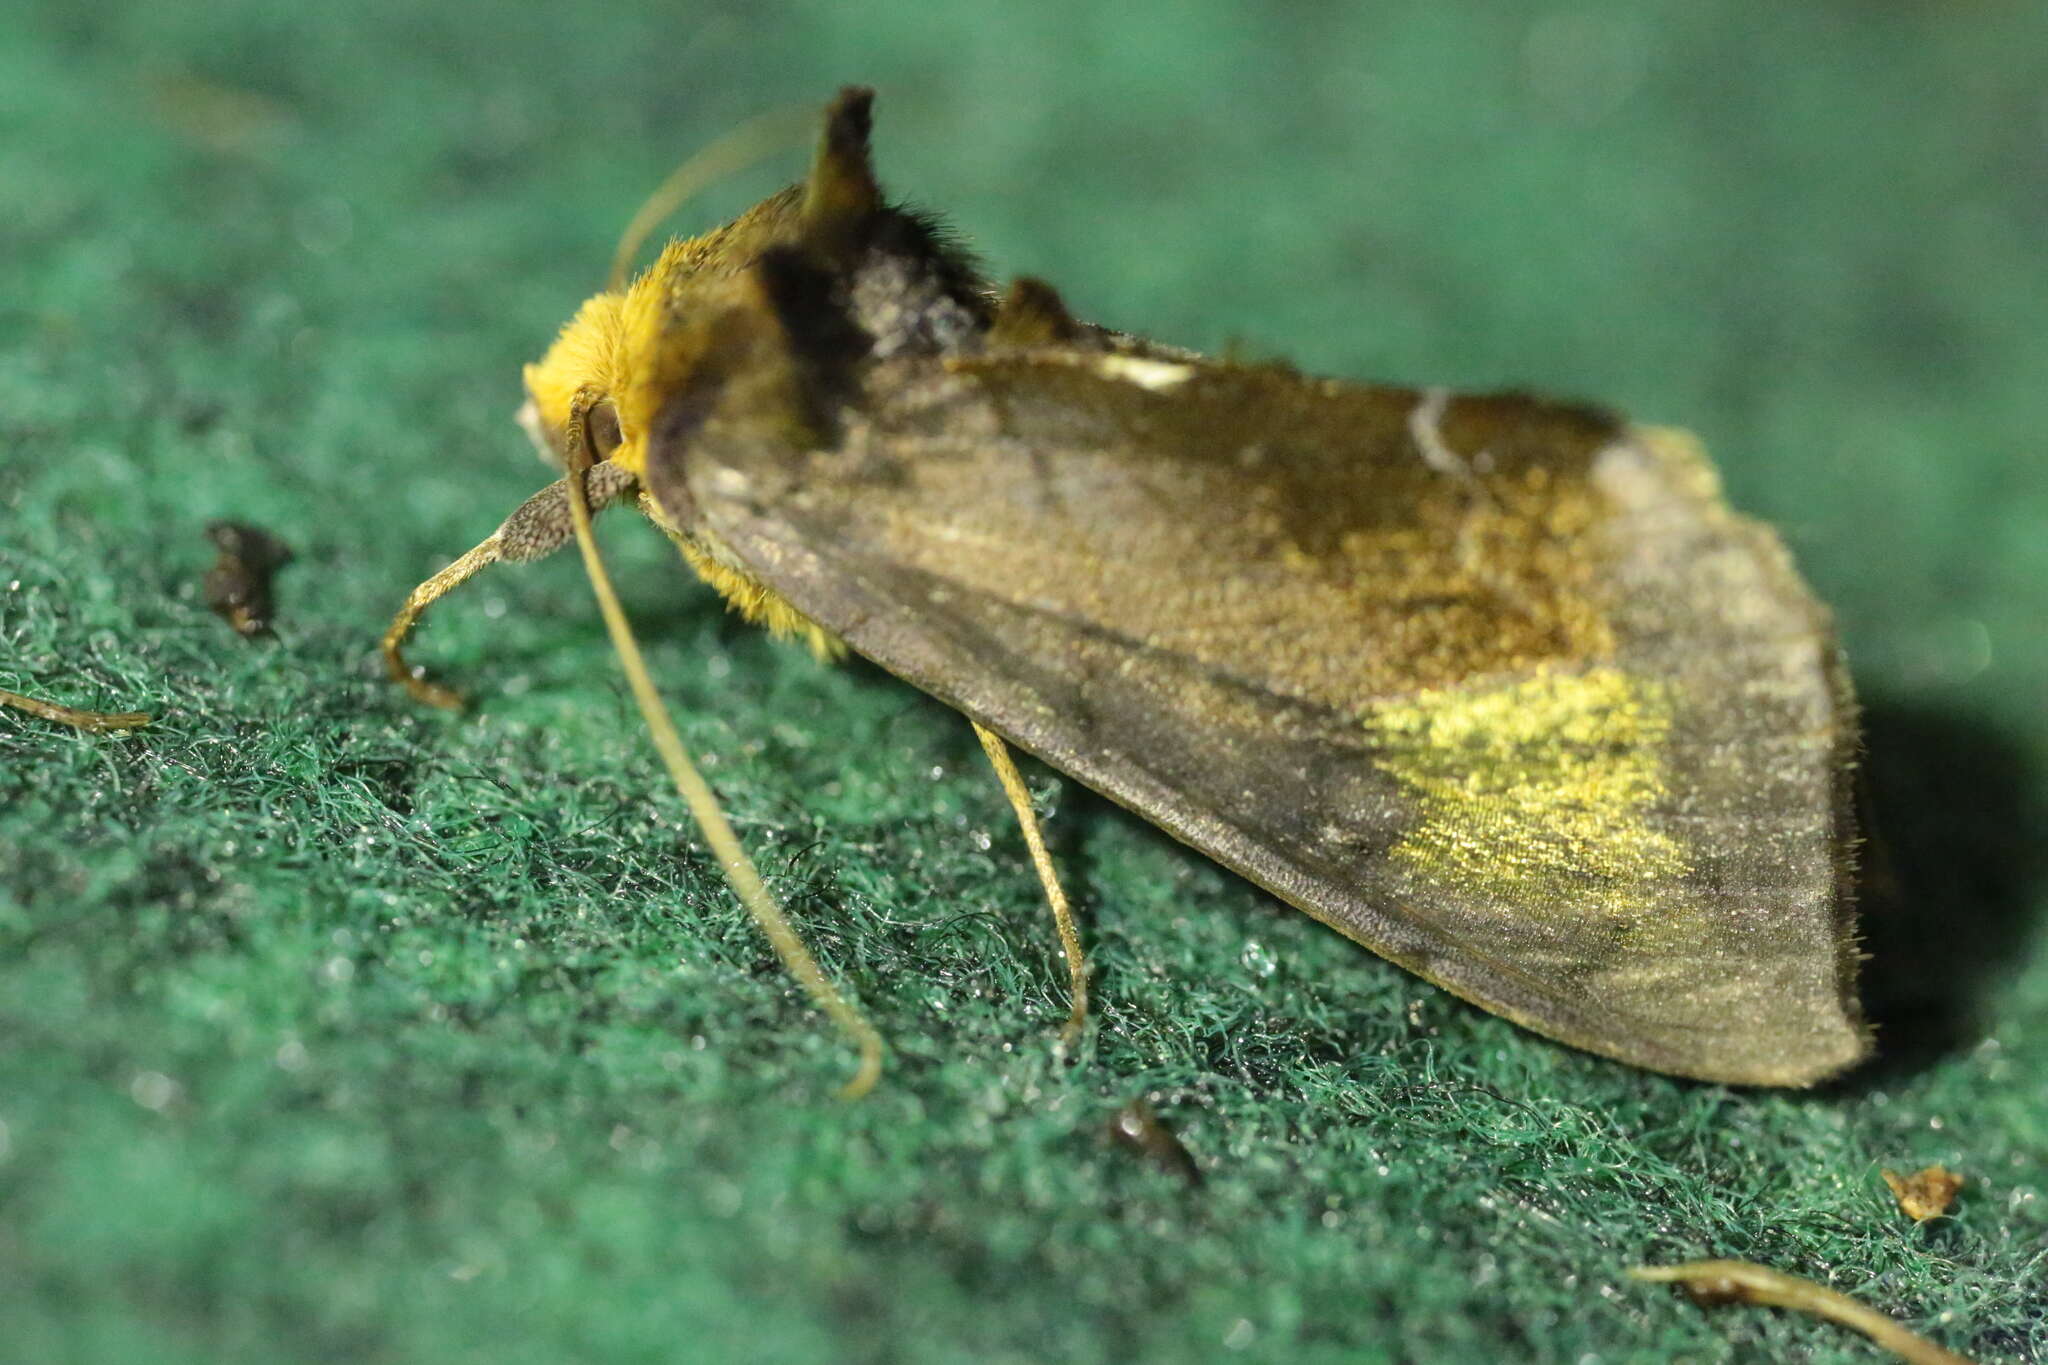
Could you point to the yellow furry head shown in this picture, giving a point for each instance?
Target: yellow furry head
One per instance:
(588, 351)
(635, 347)
(619, 342)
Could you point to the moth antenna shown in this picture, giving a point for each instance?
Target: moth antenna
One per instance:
(841, 195)
(1032, 314)
(416, 603)
(740, 872)
(96, 721)
(1062, 914)
(537, 528)
(751, 142)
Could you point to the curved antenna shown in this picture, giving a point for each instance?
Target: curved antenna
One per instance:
(736, 151)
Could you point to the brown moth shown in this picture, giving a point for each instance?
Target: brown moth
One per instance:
(1497, 686)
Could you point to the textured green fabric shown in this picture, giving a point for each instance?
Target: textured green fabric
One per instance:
(332, 1029)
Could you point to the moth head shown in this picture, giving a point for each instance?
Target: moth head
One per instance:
(642, 344)
(622, 342)
(610, 345)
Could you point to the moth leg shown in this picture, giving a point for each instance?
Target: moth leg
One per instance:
(97, 721)
(740, 873)
(1055, 896)
(537, 528)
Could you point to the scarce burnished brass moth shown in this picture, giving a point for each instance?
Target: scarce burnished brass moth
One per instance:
(1496, 685)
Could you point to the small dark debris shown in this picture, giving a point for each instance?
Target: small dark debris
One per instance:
(238, 584)
(1138, 1128)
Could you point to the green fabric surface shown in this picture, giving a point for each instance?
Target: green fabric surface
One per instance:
(336, 1029)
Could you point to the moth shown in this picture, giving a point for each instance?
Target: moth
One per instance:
(1496, 685)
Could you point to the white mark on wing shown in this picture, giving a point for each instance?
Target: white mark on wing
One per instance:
(1425, 430)
(1159, 376)
(730, 483)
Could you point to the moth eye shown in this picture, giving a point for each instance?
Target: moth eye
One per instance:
(602, 426)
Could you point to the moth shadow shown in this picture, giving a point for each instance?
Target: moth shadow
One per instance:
(1952, 871)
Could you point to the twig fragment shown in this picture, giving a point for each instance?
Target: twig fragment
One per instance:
(1711, 1283)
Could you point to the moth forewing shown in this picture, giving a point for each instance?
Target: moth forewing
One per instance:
(1551, 727)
